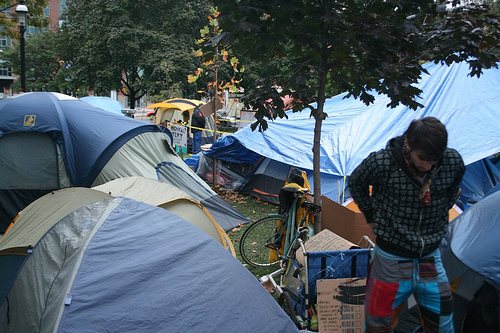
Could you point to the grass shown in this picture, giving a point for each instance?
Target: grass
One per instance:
(254, 210)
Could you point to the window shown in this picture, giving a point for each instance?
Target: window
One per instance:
(5, 71)
(4, 42)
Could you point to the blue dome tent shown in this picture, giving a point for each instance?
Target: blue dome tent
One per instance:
(105, 103)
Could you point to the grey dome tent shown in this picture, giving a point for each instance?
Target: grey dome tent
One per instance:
(119, 265)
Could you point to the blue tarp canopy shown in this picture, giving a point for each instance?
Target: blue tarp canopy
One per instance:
(229, 148)
(468, 106)
(105, 103)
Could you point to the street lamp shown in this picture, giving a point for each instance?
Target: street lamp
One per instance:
(22, 13)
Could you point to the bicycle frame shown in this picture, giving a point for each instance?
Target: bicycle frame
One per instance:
(290, 228)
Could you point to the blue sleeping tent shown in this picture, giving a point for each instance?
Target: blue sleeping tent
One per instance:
(471, 258)
(468, 106)
(471, 246)
(51, 141)
(105, 103)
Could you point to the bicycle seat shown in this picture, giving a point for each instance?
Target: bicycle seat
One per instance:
(294, 188)
(288, 194)
(311, 207)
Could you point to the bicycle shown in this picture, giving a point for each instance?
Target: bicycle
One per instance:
(272, 239)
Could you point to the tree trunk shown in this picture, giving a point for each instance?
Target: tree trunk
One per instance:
(319, 116)
(132, 99)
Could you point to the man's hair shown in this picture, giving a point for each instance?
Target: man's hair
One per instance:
(428, 135)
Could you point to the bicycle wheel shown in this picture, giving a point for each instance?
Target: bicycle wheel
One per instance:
(286, 303)
(259, 239)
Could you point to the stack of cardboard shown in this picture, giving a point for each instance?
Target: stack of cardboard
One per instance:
(339, 301)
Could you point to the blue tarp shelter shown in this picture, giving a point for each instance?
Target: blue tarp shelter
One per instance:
(105, 103)
(468, 106)
(50, 141)
(116, 264)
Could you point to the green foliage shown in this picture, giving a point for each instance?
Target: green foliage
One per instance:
(362, 47)
(45, 70)
(217, 64)
(173, 90)
(136, 46)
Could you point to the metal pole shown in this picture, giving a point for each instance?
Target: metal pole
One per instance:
(22, 30)
(22, 13)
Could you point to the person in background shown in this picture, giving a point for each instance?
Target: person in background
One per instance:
(197, 123)
(414, 183)
(185, 118)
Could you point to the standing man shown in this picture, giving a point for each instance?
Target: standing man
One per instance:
(197, 123)
(415, 182)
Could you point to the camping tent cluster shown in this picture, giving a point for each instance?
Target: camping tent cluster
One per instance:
(80, 260)
(468, 106)
(51, 141)
(144, 249)
(113, 229)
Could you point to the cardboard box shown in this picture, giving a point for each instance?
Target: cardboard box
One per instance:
(327, 240)
(347, 222)
(324, 241)
(341, 305)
